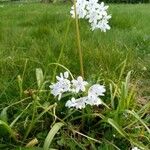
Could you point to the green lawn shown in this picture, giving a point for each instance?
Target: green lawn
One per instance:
(32, 36)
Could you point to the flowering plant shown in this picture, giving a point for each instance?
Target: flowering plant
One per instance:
(77, 86)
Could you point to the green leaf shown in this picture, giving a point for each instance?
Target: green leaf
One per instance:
(39, 77)
(138, 118)
(15, 120)
(125, 135)
(138, 144)
(19, 116)
(51, 135)
(3, 115)
(117, 127)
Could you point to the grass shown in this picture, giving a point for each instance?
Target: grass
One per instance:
(32, 36)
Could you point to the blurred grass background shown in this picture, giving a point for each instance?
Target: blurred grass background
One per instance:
(31, 36)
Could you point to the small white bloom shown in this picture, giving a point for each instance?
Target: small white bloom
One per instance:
(80, 9)
(93, 100)
(106, 17)
(92, 4)
(60, 87)
(103, 25)
(66, 74)
(102, 8)
(79, 84)
(56, 90)
(135, 148)
(77, 103)
(93, 16)
(97, 90)
(63, 76)
(63, 85)
(93, 26)
(93, 93)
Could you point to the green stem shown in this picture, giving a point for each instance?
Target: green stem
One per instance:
(33, 118)
(27, 98)
(79, 41)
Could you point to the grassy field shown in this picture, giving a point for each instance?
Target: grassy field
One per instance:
(32, 36)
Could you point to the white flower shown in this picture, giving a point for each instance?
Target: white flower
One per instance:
(93, 11)
(79, 84)
(106, 16)
(93, 16)
(102, 8)
(96, 10)
(98, 17)
(56, 90)
(93, 100)
(135, 148)
(62, 76)
(80, 9)
(103, 25)
(60, 87)
(92, 4)
(97, 90)
(77, 103)
(80, 103)
(93, 93)
(93, 26)
(63, 85)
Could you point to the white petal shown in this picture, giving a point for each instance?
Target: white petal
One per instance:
(66, 74)
(80, 79)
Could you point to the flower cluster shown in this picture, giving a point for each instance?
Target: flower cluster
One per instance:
(93, 11)
(64, 85)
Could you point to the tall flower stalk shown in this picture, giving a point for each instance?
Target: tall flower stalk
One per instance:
(78, 41)
(95, 13)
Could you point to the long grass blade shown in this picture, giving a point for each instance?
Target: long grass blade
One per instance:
(51, 135)
(138, 118)
(39, 77)
(3, 114)
(117, 127)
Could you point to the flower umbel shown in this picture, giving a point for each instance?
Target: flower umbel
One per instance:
(64, 85)
(93, 11)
